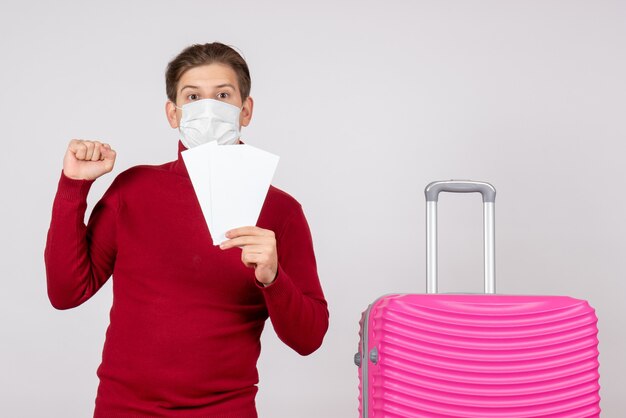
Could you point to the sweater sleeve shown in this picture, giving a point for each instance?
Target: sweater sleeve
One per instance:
(79, 258)
(295, 300)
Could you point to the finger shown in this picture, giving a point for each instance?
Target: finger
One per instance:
(74, 144)
(108, 158)
(244, 230)
(251, 259)
(80, 150)
(260, 255)
(249, 230)
(244, 260)
(243, 241)
(108, 152)
(97, 156)
(257, 249)
(265, 267)
(90, 147)
(231, 243)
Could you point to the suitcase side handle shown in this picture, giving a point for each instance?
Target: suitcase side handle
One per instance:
(460, 186)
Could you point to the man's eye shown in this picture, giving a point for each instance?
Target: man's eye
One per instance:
(222, 95)
(193, 96)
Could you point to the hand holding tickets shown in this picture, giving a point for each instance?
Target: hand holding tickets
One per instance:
(87, 160)
(231, 183)
(258, 251)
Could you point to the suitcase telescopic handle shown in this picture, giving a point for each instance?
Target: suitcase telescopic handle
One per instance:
(460, 186)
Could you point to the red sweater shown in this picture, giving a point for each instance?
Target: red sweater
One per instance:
(183, 338)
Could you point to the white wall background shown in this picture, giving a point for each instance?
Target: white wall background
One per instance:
(365, 102)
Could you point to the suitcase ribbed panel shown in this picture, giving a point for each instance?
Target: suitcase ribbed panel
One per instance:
(483, 356)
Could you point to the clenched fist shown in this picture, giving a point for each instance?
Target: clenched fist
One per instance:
(87, 160)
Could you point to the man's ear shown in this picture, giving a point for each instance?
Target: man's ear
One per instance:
(170, 112)
(246, 112)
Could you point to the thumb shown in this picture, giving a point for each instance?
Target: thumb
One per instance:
(107, 152)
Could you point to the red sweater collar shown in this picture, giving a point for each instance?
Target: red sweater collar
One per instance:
(179, 165)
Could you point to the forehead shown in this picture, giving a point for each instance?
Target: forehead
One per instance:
(208, 76)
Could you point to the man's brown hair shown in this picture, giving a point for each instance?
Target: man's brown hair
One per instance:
(205, 54)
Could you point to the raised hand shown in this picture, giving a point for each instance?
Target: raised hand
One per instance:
(88, 160)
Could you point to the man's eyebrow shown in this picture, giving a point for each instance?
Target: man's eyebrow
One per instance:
(226, 85)
(189, 87)
(219, 86)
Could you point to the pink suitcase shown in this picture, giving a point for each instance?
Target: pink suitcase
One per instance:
(464, 355)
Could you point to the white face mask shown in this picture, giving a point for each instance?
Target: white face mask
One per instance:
(209, 120)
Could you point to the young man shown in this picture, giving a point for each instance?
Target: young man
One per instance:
(183, 338)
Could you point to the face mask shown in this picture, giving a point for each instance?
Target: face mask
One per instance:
(209, 120)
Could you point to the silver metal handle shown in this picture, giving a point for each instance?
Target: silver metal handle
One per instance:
(460, 186)
(489, 231)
